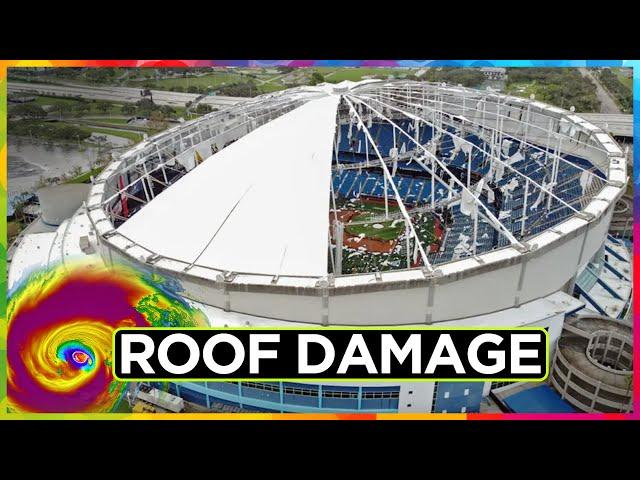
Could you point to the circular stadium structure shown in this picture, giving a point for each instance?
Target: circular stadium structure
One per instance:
(370, 203)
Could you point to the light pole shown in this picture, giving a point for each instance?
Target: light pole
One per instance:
(626, 226)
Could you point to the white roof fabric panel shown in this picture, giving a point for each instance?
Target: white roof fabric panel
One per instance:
(260, 205)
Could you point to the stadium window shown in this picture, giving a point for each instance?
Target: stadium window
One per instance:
(300, 391)
(446, 395)
(495, 385)
(262, 386)
(466, 392)
(334, 394)
(463, 410)
(434, 398)
(384, 394)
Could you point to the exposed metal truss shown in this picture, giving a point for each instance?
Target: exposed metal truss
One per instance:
(493, 220)
(389, 179)
(500, 118)
(491, 155)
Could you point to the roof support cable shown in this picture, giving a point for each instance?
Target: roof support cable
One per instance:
(494, 221)
(387, 175)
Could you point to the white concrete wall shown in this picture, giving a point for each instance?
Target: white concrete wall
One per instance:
(416, 397)
(545, 272)
(302, 308)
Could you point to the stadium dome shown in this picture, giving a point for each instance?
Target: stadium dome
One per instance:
(369, 203)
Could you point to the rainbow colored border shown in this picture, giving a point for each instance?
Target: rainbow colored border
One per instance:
(4, 64)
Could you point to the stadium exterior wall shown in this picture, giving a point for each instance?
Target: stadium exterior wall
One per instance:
(521, 278)
(409, 397)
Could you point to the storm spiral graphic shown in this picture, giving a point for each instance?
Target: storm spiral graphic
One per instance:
(60, 327)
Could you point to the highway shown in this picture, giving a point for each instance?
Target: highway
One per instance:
(120, 94)
(617, 124)
(607, 103)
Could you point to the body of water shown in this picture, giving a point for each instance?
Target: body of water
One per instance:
(28, 162)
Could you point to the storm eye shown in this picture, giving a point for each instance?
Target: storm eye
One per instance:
(81, 358)
(77, 355)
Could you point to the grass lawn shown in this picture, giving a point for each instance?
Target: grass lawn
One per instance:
(143, 73)
(213, 80)
(424, 226)
(624, 80)
(370, 210)
(115, 121)
(83, 78)
(13, 230)
(180, 111)
(271, 87)
(377, 208)
(85, 177)
(133, 136)
(104, 123)
(360, 262)
(385, 231)
(356, 74)
(93, 113)
(523, 89)
(42, 100)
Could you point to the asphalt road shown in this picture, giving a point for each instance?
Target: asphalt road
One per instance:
(121, 94)
(618, 124)
(607, 104)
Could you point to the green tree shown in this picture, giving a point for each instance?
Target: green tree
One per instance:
(18, 210)
(240, 89)
(622, 94)
(48, 130)
(145, 107)
(467, 77)
(167, 110)
(203, 108)
(62, 108)
(104, 107)
(128, 109)
(100, 75)
(28, 110)
(157, 120)
(81, 109)
(563, 87)
(316, 78)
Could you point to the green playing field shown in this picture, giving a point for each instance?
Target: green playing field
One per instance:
(361, 261)
(388, 230)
